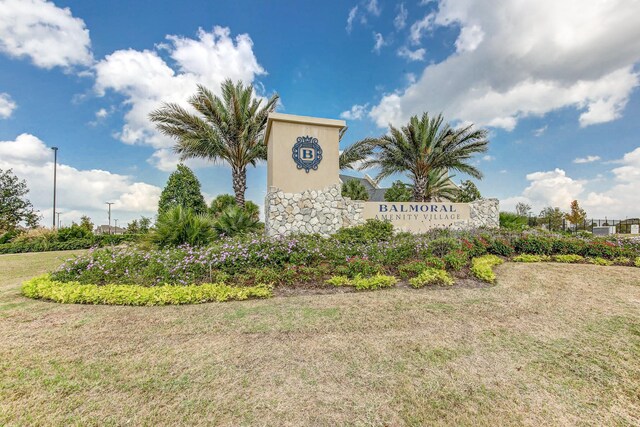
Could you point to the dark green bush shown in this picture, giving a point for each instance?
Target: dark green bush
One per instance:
(235, 221)
(74, 232)
(373, 230)
(500, 247)
(442, 246)
(456, 260)
(532, 244)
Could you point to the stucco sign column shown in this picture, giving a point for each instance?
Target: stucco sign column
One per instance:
(302, 152)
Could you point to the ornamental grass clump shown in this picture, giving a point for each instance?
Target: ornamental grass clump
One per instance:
(43, 287)
(482, 267)
(431, 276)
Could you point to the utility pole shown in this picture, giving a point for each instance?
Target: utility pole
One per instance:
(55, 163)
(116, 221)
(109, 203)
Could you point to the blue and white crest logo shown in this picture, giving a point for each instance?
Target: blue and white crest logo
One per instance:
(307, 153)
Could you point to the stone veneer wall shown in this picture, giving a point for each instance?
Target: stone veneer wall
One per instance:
(312, 211)
(326, 211)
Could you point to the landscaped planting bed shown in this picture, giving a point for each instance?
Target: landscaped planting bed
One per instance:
(367, 257)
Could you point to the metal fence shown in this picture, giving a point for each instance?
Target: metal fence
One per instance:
(623, 226)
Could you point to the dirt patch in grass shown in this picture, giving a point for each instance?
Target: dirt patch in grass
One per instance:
(550, 344)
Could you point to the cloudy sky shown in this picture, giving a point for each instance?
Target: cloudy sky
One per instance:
(555, 82)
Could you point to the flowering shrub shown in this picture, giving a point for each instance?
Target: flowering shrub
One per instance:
(456, 260)
(533, 244)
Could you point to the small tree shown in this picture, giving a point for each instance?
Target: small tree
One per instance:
(85, 222)
(552, 217)
(523, 209)
(468, 192)
(354, 190)
(182, 189)
(15, 208)
(133, 227)
(144, 224)
(577, 214)
(398, 192)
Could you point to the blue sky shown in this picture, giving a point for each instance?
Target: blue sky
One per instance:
(554, 82)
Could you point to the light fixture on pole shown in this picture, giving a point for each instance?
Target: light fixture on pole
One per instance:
(58, 214)
(55, 163)
(109, 203)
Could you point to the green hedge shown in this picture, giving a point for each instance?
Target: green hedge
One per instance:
(44, 246)
(43, 287)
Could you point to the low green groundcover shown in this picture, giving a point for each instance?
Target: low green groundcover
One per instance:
(482, 267)
(43, 287)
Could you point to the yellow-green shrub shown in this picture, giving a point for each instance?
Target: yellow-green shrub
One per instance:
(637, 263)
(568, 258)
(43, 287)
(599, 261)
(378, 281)
(482, 267)
(431, 276)
(621, 260)
(531, 258)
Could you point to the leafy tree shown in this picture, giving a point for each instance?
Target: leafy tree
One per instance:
(85, 222)
(523, 209)
(228, 129)
(398, 192)
(235, 221)
(144, 224)
(421, 147)
(553, 217)
(133, 227)
(354, 189)
(577, 214)
(15, 208)
(182, 189)
(220, 204)
(468, 192)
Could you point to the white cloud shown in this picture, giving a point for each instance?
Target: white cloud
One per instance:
(469, 38)
(534, 57)
(540, 131)
(588, 159)
(373, 7)
(400, 21)
(352, 15)
(146, 80)
(356, 112)
(620, 199)
(7, 105)
(412, 55)
(79, 191)
(419, 28)
(379, 42)
(102, 113)
(488, 158)
(50, 36)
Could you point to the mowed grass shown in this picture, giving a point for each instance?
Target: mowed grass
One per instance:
(550, 344)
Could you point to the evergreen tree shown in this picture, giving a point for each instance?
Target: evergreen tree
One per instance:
(398, 192)
(468, 192)
(182, 189)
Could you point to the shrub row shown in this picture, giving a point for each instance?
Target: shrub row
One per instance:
(43, 287)
(85, 243)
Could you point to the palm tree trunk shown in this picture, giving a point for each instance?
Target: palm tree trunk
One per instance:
(419, 186)
(239, 184)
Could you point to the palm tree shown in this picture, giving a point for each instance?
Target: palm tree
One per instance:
(418, 149)
(440, 187)
(228, 129)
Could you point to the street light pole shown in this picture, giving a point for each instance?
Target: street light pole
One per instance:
(58, 213)
(116, 221)
(109, 203)
(55, 163)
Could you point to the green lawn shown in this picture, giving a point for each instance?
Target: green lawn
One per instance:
(550, 344)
